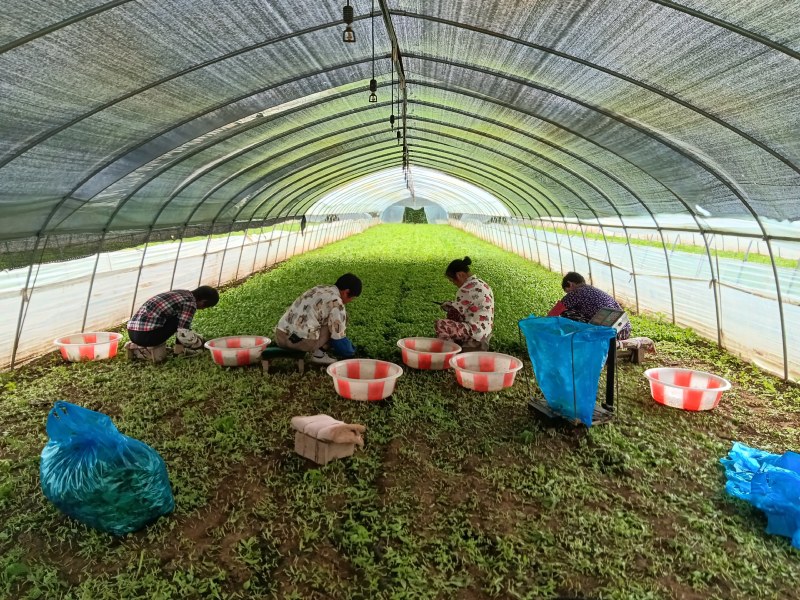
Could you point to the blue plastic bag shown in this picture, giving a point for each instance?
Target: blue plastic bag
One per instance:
(100, 477)
(770, 482)
(567, 358)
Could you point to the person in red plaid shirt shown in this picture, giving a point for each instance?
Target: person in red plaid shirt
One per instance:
(164, 314)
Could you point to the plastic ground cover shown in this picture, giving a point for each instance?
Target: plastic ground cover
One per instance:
(770, 482)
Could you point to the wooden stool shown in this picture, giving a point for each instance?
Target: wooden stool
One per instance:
(271, 353)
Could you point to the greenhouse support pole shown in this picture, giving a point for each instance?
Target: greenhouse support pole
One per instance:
(269, 247)
(258, 245)
(586, 247)
(633, 266)
(205, 254)
(669, 272)
(315, 238)
(780, 302)
(139, 274)
(609, 261)
(528, 231)
(177, 260)
(91, 281)
(569, 243)
(27, 292)
(241, 251)
(713, 288)
(224, 254)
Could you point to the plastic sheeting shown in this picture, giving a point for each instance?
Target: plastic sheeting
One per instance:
(122, 119)
(707, 292)
(770, 482)
(99, 292)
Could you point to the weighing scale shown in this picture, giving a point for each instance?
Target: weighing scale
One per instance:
(605, 317)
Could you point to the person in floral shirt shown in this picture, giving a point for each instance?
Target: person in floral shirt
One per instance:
(318, 319)
(470, 318)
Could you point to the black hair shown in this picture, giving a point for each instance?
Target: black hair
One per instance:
(351, 283)
(458, 266)
(207, 293)
(572, 277)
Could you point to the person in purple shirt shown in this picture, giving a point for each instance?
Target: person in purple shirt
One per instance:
(582, 301)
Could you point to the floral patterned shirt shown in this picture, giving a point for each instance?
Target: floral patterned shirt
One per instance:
(321, 305)
(475, 303)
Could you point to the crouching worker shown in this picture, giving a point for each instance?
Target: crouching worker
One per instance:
(164, 315)
(582, 301)
(317, 319)
(470, 318)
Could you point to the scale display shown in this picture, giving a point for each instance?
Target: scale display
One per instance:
(610, 317)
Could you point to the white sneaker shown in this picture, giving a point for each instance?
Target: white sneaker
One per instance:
(321, 358)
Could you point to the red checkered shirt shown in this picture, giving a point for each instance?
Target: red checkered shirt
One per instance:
(154, 313)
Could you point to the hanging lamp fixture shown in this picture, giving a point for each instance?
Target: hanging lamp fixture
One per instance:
(391, 104)
(348, 36)
(373, 83)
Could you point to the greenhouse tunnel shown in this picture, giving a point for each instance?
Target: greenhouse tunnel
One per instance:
(649, 144)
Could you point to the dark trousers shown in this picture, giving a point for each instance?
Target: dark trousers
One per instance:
(156, 337)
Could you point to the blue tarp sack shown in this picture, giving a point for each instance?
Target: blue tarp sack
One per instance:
(100, 477)
(567, 358)
(770, 482)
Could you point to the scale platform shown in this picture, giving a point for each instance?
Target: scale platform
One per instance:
(601, 415)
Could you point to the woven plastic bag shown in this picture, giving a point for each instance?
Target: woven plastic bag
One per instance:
(770, 482)
(567, 358)
(100, 477)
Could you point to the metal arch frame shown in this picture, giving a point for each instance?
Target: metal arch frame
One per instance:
(255, 194)
(533, 187)
(658, 138)
(558, 180)
(218, 140)
(752, 212)
(288, 206)
(195, 177)
(591, 165)
(266, 141)
(632, 265)
(430, 158)
(249, 185)
(108, 104)
(365, 167)
(766, 237)
(61, 24)
(193, 151)
(197, 205)
(619, 75)
(384, 159)
(452, 23)
(729, 26)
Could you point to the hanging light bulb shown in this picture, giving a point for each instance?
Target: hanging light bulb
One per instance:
(349, 36)
(373, 87)
(391, 104)
(373, 83)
